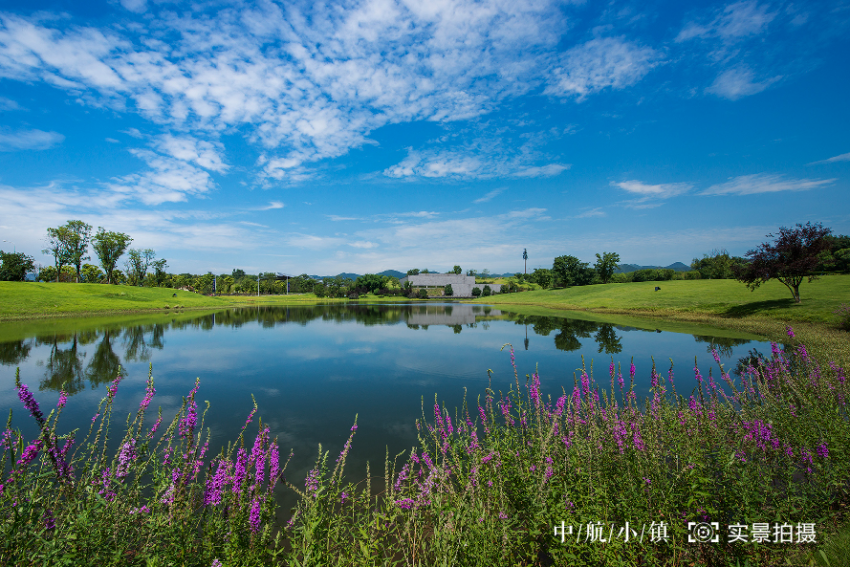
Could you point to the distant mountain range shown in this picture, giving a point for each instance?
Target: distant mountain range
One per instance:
(621, 269)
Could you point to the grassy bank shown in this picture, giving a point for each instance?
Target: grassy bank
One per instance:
(766, 453)
(725, 304)
(38, 300)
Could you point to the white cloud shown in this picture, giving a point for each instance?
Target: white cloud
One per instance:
(363, 244)
(739, 82)
(8, 104)
(764, 183)
(203, 153)
(592, 213)
(135, 5)
(11, 141)
(736, 21)
(273, 205)
(489, 196)
(167, 180)
(842, 157)
(599, 64)
(650, 196)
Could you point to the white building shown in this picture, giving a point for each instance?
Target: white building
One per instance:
(462, 286)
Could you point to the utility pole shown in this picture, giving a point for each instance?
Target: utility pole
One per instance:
(525, 259)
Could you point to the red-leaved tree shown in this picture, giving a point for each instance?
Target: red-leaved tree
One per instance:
(790, 258)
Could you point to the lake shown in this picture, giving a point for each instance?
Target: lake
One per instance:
(312, 369)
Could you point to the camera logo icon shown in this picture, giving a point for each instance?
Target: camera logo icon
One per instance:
(703, 532)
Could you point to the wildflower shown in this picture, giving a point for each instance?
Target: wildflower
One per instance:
(343, 497)
(405, 503)
(790, 331)
(239, 471)
(648, 481)
(63, 399)
(188, 423)
(823, 451)
(29, 402)
(125, 458)
(503, 516)
(482, 415)
(212, 495)
(402, 476)
(312, 482)
(254, 516)
(274, 465)
(49, 520)
(149, 393)
(216, 563)
(112, 389)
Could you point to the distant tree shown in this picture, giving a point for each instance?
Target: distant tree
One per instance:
(542, 277)
(160, 274)
(413, 272)
(14, 266)
(457, 270)
(238, 274)
(91, 273)
(472, 273)
(606, 264)
(570, 271)
(487, 291)
(372, 282)
(138, 264)
(448, 290)
(109, 247)
(79, 236)
(791, 257)
(58, 240)
(716, 266)
(476, 292)
(525, 260)
(485, 273)
(425, 271)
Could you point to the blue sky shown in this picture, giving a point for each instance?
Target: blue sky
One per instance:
(363, 136)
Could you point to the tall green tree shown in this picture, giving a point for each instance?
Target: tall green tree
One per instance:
(457, 270)
(57, 246)
(109, 247)
(138, 264)
(570, 271)
(79, 236)
(606, 264)
(14, 266)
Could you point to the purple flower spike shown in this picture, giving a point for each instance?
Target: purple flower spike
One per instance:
(790, 331)
(254, 517)
(29, 402)
(63, 399)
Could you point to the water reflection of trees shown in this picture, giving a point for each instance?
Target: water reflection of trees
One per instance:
(723, 345)
(14, 352)
(570, 331)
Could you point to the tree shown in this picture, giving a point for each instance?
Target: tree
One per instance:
(457, 270)
(570, 271)
(542, 277)
(91, 274)
(109, 247)
(57, 246)
(476, 292)
(525, 260)
(606, 264)
(793, 256)
(79, 236)
(138, 264)
(371, 282)
(448, 290)
(487, 291)
(14, 266)
(413, 272)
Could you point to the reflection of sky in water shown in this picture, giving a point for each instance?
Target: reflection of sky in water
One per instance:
(312, 369)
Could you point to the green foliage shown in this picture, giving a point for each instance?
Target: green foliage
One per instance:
(456, 270)
(79, 236)
(423, 293)
(542, 277)
(372, 282)
(58, 240)
(14, 266)
(109, 247)
(413, 272)
(606, 264)
(448, 291)
(486, 292)
(718, 265)
(476, 292)
(653, 275)
(570, 271)
(91, 274)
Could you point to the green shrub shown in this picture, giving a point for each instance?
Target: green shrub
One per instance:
(487, 291)
(423, 293)
(448, 290)
(476, 292)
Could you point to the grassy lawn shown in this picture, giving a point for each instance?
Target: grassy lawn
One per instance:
(726, 304)
(33, 300)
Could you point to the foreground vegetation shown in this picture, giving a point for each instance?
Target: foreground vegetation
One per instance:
(588, 477)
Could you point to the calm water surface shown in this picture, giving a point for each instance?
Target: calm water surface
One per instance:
(312, 369)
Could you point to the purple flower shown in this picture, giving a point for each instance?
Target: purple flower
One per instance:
(239, 470)
(822, 450)
(402, 476)
(49, 520)
(254, 516)
(112, 389)
(149, 392)
(215, 486)
(29, 402)
(790, 331)
(274, 465)
(187, 424)
(63, 399)
(343, 497)
(216, 563)
(312, 482)
(405, 503)
(503, 516)
(125, 458)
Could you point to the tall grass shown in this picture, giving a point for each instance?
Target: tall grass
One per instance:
(588, 477)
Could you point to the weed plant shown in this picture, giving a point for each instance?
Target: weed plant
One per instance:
(587, 478)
